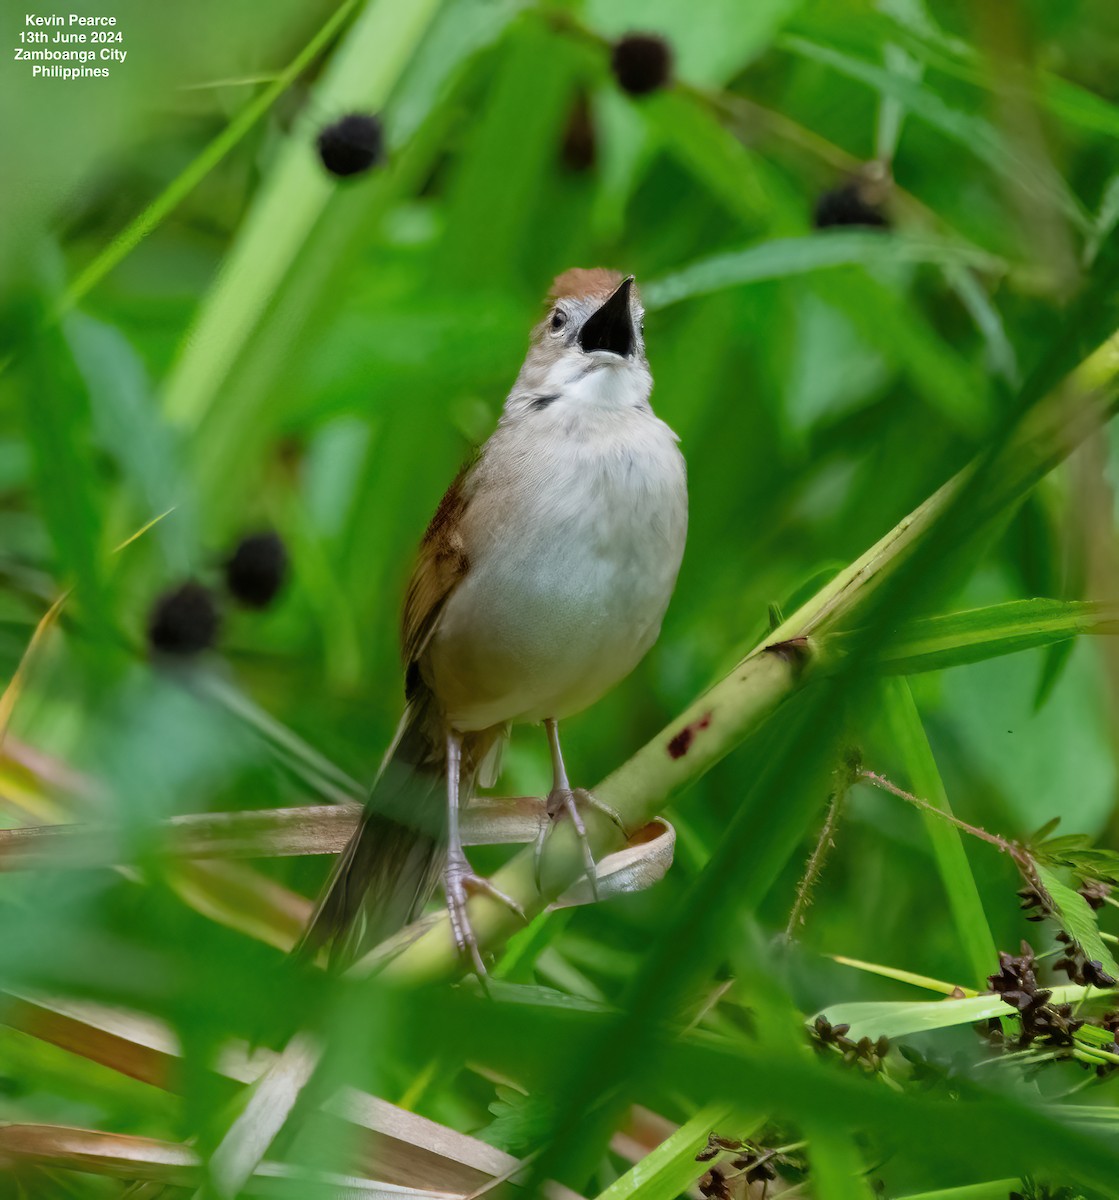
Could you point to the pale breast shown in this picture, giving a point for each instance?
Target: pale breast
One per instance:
(573, 554)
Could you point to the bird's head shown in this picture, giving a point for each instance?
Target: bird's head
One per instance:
(589, 350)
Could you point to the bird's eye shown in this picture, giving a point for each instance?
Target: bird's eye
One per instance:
(559, 319)
(642, 328)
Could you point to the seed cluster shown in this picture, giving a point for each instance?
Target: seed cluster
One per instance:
(868, 1053)
(1032, 1190)
(186, 619)
(747, 1164)
(1043, 1022)
(1016, 982)
(1075, 963)
(1079, 967)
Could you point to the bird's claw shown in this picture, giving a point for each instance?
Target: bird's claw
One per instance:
(570, 800)
(459, 883)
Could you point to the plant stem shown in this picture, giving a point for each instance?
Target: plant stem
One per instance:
(812, 871)
(880, 781)
(728, 712)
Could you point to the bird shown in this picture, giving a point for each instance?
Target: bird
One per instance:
(540, 583)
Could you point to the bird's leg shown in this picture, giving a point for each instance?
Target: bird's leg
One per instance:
(459, 879)
(563, 798)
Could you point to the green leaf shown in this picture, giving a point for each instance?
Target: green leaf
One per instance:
(1078, 920)
(784, 258)
(669, 1170)
(903, 723)
(727, 168)
(975, 134)
(1040, 834)
(910, 977)
(995, 1189)
(1089, 863)
(835, 1163)
(127, 425)
(520, 1121)
(891, 1018)
(1065, 100)
(978, 634)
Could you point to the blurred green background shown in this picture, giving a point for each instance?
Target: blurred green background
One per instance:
(283, 350)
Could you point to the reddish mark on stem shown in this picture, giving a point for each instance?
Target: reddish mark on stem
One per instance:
(680, 743)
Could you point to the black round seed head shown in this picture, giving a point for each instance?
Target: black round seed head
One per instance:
(184, 620)
(351, 144)
(642, 63)
(856, 202)
(257, 569)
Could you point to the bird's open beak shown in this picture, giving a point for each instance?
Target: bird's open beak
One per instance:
(611, 327)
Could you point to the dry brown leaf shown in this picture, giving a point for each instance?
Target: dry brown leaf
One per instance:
(124, 1156)
(264, 833)
(149, 1160)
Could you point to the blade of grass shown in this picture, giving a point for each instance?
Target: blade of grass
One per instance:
(903, 723)
(783, 258)
(996, 1189)
(671, 1168)
(896, 1018)
(836, 1166)
(975, 134)
(978, 634)
(921, 981)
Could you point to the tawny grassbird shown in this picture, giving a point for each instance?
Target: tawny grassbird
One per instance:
(540, 583)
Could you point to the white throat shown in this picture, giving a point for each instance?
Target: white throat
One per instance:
(599, 381)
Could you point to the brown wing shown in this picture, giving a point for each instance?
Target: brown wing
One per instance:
(441, 563)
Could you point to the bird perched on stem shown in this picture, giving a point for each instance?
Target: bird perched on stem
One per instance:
(541, 582)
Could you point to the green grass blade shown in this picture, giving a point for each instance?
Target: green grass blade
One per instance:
(783, 258)
(903, 723)
(921, 981)
(835, 1165)
(995, 1189)
(893, 1018)
(978, 634)
(671, 1168)
(974, 133)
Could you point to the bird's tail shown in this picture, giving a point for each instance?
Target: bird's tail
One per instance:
(393, 861)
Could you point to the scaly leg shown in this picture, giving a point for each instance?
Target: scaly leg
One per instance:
(562, 798)
(459, 879)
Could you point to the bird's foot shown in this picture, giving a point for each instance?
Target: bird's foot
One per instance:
(459, 883)
(570, 801)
